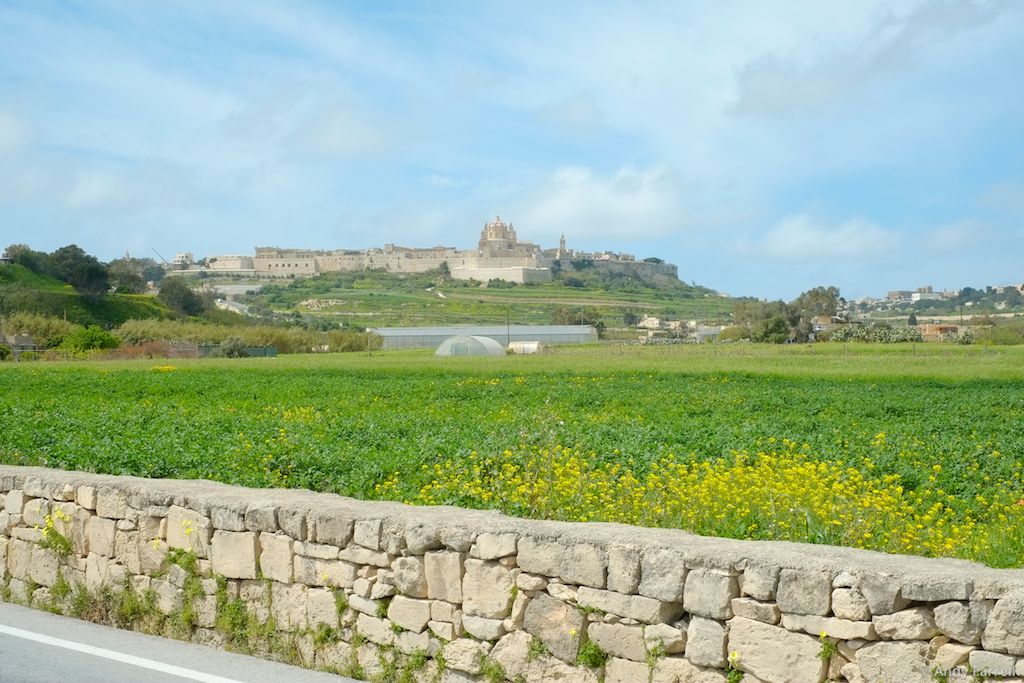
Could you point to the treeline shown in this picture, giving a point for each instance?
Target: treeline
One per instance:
(58, 338)
(87, 274)
(778, 322)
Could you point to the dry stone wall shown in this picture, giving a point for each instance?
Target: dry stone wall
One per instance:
(390, 592)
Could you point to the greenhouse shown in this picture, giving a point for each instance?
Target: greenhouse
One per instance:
(463, 345)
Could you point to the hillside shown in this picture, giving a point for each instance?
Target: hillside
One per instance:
(372, 298)
(21, 290)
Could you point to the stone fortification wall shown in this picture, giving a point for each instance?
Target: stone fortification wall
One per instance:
(391, 592)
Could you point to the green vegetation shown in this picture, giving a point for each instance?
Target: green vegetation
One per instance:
(900, 448)
(379, 299)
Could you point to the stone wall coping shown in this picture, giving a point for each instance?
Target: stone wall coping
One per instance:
(695, 550)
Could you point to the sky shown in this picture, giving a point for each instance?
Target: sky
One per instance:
(765, 148)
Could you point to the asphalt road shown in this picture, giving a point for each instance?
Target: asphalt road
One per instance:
(39, 647)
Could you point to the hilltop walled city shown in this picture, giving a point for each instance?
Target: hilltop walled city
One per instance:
(500, 254)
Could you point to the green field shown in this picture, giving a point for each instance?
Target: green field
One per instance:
(903, 448)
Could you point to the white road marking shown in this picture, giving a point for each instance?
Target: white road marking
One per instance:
(116, 656)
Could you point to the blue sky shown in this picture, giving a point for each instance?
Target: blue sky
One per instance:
(763, 147)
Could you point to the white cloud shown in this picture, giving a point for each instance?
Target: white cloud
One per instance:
(801, 238)
(955, 237)
(632, 201)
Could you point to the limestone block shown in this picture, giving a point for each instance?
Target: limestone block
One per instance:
(664, 638)
(952, 655)
(126, 550)
(547, 668)
(482, 628)
(1004, 631)
(45, 565)
(293, 523)
(111, 503)
(759, 583)
(679, 670)
(234, 554)
(519, 605)
(662, 575)
(205, 607)
(774, 654)
(169, 598)
(359, 555)
(421, 537)
(14, 501)
(905, 662)
(261, 517)
(623, 568)
(409, 613)
(443, 569)
(585, 565)
(620, 670)
(540, 556)
(486, 589)
(151, 555)
(408, 643)
(842, 629)
(804, 592)
(992, 664)
(276, 557)
(443, 611)
(99, 533)
(937, 589)
(364, 605)
(558, 625)
(916, 623)
(75, 528)
(332, 529)
(849, 603)
(288, 603)
(35, 511)
(512, 652)
(177, 575)
(188, 530)
(706, 641)
(963, 621)
(410, 577)
(560, 591)
(531, 582)
(457, 538)
(32, 535)
(317, 551)
(96, 570)
(312, 572)
(86, 497)
(643, 609)
(228, 518)
(367, 533)
(464, 654)
(709, 593)
(321, 607)
(494, 546)
(443, 629)
(379, 589)
(882, 593)
(749, 608)
(3, 556)
(256, 597)
(619, 640)
(375, 629)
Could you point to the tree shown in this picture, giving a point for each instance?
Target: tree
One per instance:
(125, 277)
(80, 270)
(911, 319)
(630, 318)
(177, 295)
(36, 261)
(774, 330)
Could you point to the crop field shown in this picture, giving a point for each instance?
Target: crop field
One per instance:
(910, 449)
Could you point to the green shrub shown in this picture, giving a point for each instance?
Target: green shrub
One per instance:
(88, 339)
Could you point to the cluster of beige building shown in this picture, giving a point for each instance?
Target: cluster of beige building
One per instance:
(500, 254)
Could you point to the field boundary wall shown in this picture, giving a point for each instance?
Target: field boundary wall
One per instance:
(385, 591)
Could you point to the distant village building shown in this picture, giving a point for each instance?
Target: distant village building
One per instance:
(499, 254)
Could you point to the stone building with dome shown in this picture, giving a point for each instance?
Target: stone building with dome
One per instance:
(500, 254)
